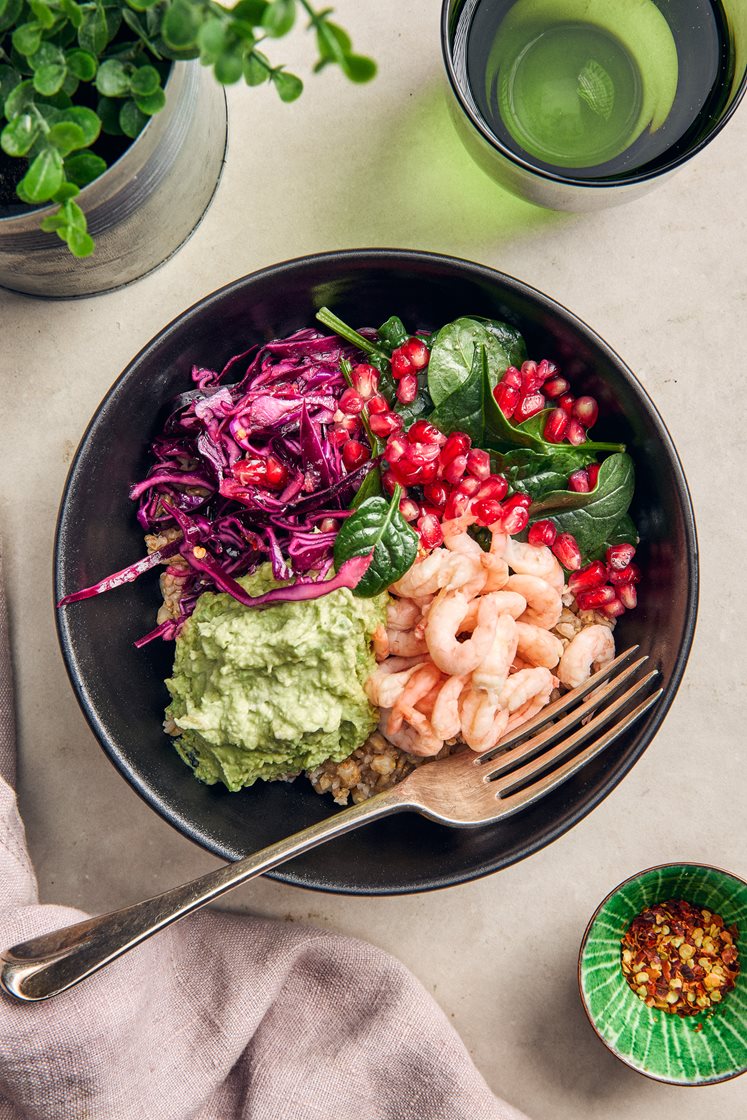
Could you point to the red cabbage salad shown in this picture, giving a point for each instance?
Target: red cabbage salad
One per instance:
(337, 457)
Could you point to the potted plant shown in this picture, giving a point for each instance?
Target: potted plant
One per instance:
(112, 139)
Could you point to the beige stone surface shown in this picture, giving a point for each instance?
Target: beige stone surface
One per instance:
(664, 281)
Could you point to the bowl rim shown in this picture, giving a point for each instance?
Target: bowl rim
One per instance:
(569, 180)
(361, 258)
(631, 879)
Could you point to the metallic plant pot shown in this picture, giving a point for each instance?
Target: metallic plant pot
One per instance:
(141, 210)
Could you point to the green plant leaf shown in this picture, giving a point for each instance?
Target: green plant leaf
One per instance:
(93, 33)
(27, 38)
(229, 68)
(113, 78)
(358, 68)
(279, 17)
(87, 120)
(464, 409)
(80, 243)
(181, 24)
(70, 85)
(257, 69)
(73, 12)
(82, 64)
(131, 120)
(66, 137)
(145, 81)
(135, 24)
(19, 99)
(44, 176)
(49, 79)
(511, 340)
(154, 102)
(452, 353)
(42, 12)
(212, 39)
(377, 526)
(142, 5)
(84, 167)
(332, 42)
(113, 16)
(10, 10)
(9, 79)
(66, 192)
(289, 86)
(624, 532)
(19, 134)
(108, 112)
(540, 472)
(251, 11)
(591, 516)
(392, 333)
(369, 488)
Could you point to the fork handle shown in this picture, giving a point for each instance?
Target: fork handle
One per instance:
(47, 965)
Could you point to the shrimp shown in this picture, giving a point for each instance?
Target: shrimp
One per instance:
(483, 721)
(537, 646)
(386, 684)
(419, 684)
(593, 646)
(440, 569)
(525, 712)
(380, 642)
(444, 620)
(402, 614)
(406, 643)
(509, 602)
(419, 740)
(527, 684)
(490, 675)
(457, 539)
(445, 719)
(494, 561)
(544, 605)
(533, 560)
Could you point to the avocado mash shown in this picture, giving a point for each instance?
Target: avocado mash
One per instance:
(269, 693)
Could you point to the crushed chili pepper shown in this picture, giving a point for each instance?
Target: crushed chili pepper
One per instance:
(680, 958)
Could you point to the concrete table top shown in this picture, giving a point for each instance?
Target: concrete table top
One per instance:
(664, 281)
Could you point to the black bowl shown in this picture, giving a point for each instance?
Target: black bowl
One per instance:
(121, 689)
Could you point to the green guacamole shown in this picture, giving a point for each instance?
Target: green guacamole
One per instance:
(268, 693)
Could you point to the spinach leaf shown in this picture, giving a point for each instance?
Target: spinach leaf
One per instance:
(510, 339)
(592, 516)
(538, 473)
(464, 409)
(369, 488)
(624, 532)
(392, 333)
(377, 526)
(452, 353)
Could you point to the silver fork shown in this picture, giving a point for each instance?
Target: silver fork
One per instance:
(462, 790)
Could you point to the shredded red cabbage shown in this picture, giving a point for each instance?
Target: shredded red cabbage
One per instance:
(202, 481)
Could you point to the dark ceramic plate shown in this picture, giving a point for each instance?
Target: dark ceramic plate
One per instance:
(121, 689)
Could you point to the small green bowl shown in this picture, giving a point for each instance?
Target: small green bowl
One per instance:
(663, 1046)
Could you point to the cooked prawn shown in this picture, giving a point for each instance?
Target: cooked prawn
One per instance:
(384, 687)
(509, 602)
(440, 569)
(591, 647)
(444, 620)
(532, 560)
(527, 684)
(494, 561)
(483, 720)
(419, 740)
(406, 643)
(380, 642)
(544, 605)
(538, 646)
(445, 718)
(402, 614)
(490, 675)
(418, 685)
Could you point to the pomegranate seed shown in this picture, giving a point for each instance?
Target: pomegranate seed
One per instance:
(427, 510)
(517, 501)
(546, 369)
(385, 423)
(478, 464)
(456, 505)
(424, 452)
(408, 473)
(276, 472)
(507, 398)
(417, 352)
(407, 390)
(586, 411)
(401, 364)
(458, 443)
(578, 481)
(542, 533)
(629, 574)
(487, 511)
(575, 433)
(388, 481)
(436, 493)
(495, 487)
(469, 486)
(555, 426)
(351, 402)
(365, 380)
(431, 534)
(512, 378)
(514, 519)
(613, 609)
(409, 509)
(566, 550)
(566, 402)
(597, 597)
(396, 449)
(250, 472)
(593, 575)
(593, 471)
(337, 434)
(529, 378)
(377, 405)
(328, 525)
(354, 453)
(628, 596)
(619, 556)
(423, 432)
(556, 387)
(528, 406)
(454, 470)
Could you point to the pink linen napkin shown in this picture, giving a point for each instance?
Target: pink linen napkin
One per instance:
(222, 1017)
